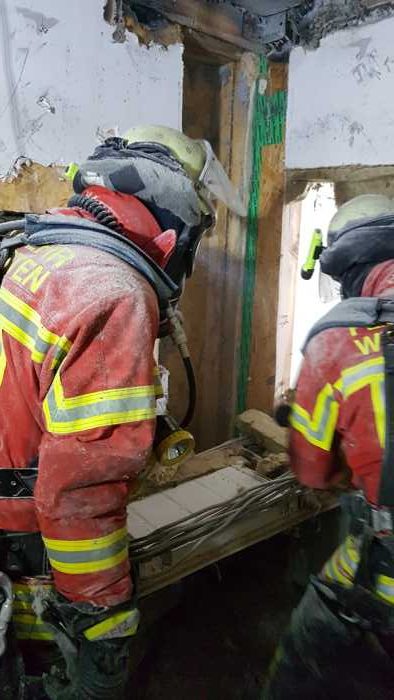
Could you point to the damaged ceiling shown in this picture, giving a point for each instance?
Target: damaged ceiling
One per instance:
(272, 27)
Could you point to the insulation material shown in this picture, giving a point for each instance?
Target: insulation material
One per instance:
(65, 84)
(340, 103)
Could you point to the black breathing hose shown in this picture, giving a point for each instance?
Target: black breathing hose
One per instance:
(191, 379)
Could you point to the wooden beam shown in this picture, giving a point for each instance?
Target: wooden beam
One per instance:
(340, 173)
(212, 300)
(349, 180)
(286, 304)
(265, 308)
(209, 49)
(224, 21)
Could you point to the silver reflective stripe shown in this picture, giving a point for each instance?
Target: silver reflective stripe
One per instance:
(78, 557)
(21, 322)
(319, 432)
(98, 408)
(351, 378)
(385, 589)
(347, 559)
(28, 327)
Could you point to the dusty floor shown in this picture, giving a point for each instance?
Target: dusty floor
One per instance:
(218, 640)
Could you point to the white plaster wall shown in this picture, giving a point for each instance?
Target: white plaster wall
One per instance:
(341, 100)
(63, 81)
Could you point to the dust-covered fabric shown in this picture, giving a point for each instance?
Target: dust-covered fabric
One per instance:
(77, 390)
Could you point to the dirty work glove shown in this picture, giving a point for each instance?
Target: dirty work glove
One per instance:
(100, 673)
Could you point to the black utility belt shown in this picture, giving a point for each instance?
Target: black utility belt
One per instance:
(18, 483)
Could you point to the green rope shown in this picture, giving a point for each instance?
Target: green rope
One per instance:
(268, 128)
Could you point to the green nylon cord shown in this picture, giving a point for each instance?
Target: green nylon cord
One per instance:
(267, 128)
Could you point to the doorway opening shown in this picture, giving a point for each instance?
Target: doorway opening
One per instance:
(301, 302)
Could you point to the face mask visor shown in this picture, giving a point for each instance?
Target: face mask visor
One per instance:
(215, 182)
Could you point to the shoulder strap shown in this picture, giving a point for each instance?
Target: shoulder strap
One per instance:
(358, 311)
(99, 237)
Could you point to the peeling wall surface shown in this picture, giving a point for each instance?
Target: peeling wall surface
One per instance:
(341, 100)
(64, 81)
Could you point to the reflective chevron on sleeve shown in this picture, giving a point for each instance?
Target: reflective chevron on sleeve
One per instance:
(318, 429)
(96, 409)
(24, 324)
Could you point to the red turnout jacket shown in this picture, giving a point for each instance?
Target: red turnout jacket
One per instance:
(77, 391)
(340, 402)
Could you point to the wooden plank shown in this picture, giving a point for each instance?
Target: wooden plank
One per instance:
(225, 22)
(35, 189)
(230, 319)
(359, 179)
(286, 303)
(216, 285)
(265, 308)
(339, 174)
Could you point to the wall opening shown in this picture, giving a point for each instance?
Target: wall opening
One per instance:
(301, 302)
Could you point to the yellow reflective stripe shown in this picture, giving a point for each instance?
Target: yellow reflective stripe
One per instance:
(34, 634)
(318, 428)
(96, 409)
(29, 626)
(379, 409)
(90, 567)
(124, 623)
(86, 545)
(385, 588)
(106, 394)
(88, 556)
(361, 375)
(339, 576)
(352, 549)
(368, 373)
(328, 571)
(3, 358)
(24, 324)
(22, 606)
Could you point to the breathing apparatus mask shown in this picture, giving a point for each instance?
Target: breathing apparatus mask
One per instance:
(360, 236)
(177, 179)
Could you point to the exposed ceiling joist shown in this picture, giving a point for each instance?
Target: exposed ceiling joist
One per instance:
(224, 20)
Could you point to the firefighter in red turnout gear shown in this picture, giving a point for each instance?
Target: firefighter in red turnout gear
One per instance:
(341, 639)
(81, 304)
